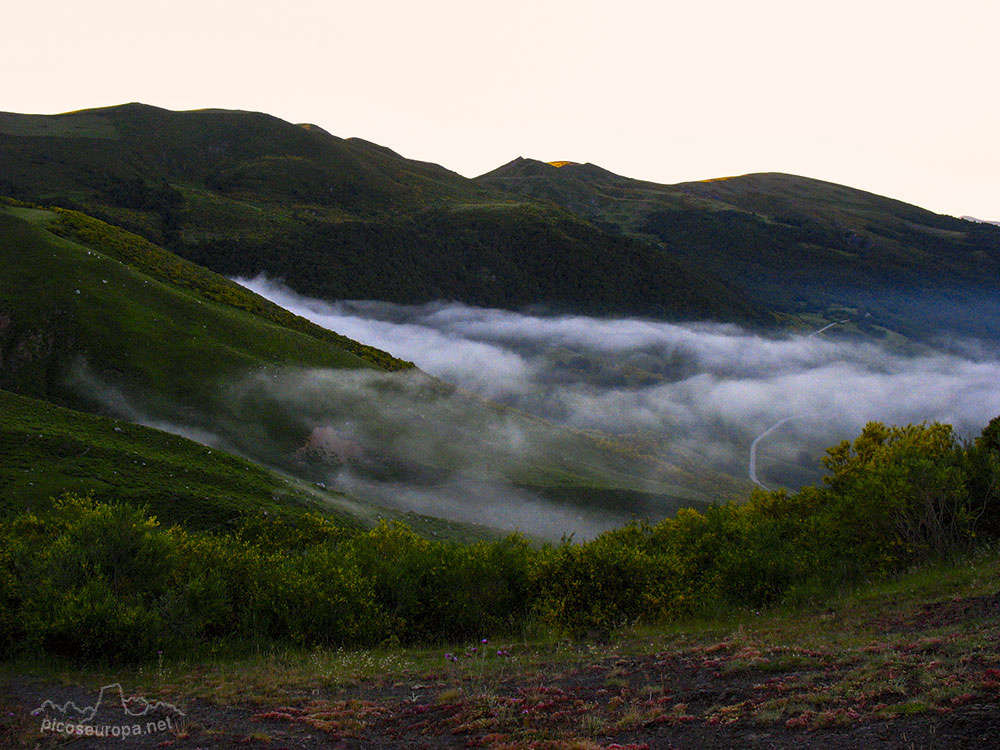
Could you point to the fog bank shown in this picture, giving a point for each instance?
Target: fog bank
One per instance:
(701, 391)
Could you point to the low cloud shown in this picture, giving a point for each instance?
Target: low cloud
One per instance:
(683, 402)
(700, 391)
(113, 399)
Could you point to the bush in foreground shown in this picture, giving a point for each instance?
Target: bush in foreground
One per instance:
(105, 581)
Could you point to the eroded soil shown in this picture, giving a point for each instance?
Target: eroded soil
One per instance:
(924, 678)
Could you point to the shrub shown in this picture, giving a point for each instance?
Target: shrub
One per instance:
(600, 584)
(899, 493)
(90, 578)
(104, 581)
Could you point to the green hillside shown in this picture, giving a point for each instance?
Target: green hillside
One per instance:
(798, 245)
(125, 308)
(243, 193)
(49, 451)
(97, 319)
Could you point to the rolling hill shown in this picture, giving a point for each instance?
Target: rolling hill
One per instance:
(798, 245)
(108, 317)
(243, 193)
(49, 450)
(95, 318)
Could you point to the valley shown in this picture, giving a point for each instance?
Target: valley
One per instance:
(287, 421)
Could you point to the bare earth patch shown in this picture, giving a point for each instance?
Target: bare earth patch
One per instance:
(926, 675)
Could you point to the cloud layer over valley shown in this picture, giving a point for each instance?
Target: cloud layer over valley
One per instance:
(698, 392)
(565, 424)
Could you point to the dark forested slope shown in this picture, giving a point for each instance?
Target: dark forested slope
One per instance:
(798, 244)
(243, 193)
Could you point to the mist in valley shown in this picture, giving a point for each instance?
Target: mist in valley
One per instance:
(558, 425)
(698, 393)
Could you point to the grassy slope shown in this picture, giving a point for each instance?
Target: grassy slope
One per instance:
(801, 245)
(244, 192)
(165, 347)
(47, 451)
(62, 300)
(144, 256)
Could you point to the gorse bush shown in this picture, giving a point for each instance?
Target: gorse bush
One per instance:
(86, 578)
(105, 581)
(97, 580)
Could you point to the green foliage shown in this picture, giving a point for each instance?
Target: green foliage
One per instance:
(983, 470)
(97, 580)
(46, 450)
(88, 579)
(602, 584)
(499, 256)
(902, 491)
(100, 581)
(244, 193)
(896, 496)
(427, 590)
(161, 264)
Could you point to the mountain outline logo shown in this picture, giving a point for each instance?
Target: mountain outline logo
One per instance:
(138, 716)
(133, 706)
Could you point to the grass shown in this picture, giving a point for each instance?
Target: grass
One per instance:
(798, 668)
(103, 320)
(47, 451)
(68, 301)
(167, 267)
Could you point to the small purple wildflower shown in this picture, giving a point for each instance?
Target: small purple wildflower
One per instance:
(485, 641)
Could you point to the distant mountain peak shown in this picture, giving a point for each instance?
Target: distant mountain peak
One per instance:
(313, 128)
(721, 179)
(560, 170)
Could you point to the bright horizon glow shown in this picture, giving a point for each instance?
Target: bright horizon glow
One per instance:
(897, 98)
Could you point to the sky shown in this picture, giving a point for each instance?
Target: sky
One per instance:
(898, 98)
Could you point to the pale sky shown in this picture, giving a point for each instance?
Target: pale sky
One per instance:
(899, 98)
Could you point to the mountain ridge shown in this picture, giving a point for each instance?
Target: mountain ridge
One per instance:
(244, 193)
(797, 244)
